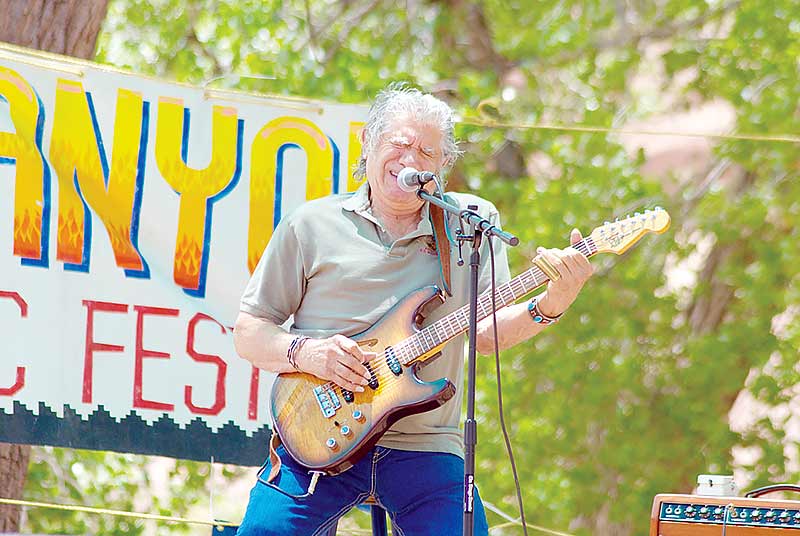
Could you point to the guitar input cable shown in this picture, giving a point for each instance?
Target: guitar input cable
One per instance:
(500, 391)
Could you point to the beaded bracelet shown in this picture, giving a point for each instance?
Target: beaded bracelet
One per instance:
(538, 316)
(294, 349)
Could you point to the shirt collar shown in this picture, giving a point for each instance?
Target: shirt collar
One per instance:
(358, 202)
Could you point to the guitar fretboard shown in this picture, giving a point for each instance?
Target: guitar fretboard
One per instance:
(457, 322)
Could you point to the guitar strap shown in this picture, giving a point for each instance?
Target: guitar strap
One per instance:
(442, 244)
(274, 460)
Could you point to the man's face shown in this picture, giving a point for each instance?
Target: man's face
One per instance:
(406, 143)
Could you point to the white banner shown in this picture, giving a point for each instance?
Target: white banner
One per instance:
(132, 212)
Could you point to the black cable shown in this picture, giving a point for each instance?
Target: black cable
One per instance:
(500, 393)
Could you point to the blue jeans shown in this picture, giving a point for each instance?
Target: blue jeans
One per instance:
(423, 492)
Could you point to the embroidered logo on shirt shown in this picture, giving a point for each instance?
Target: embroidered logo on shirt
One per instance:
(429, 247)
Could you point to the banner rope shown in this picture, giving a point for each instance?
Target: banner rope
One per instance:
(488, 123)
(215, 523)
(118, 513)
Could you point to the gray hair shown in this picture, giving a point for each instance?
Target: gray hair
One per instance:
(399, 100)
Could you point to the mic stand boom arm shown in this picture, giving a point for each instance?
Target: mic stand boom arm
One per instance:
(479, 226)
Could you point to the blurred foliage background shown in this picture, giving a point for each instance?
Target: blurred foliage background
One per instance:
(679, 358)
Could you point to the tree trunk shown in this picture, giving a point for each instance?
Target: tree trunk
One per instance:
(13, 469)
(68, 27)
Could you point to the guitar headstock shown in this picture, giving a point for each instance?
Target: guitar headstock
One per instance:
(618, 236)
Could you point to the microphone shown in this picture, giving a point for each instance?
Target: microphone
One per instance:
(410, 180)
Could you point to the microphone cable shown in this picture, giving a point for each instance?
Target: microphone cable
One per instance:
(500, 391)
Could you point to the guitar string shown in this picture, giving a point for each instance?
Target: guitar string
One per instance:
(406, 349)
(379, 370)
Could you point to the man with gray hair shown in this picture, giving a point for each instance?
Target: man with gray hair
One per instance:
(337, 265)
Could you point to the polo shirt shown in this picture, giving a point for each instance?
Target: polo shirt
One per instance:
(332, 268)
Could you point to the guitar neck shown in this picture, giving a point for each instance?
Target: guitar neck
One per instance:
(433, 337)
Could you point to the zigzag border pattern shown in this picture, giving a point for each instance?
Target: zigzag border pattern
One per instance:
(100, 431)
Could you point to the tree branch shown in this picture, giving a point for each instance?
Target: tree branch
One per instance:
(625, 37)
(349, 26)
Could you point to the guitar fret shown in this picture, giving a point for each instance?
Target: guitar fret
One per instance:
(446, 327)
(453, 323)
(522, 289)
(435, 327)
(513, 295)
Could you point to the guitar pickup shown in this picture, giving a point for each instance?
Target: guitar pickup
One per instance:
(327, 399)
(393, 362)
(373, 380)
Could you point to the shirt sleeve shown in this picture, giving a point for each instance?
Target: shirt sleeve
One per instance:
(278, 283)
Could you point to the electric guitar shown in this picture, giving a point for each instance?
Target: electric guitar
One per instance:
(327, 428)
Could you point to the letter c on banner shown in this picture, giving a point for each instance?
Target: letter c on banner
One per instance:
(23, 312)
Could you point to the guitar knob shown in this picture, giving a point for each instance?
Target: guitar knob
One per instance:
(346, 431)
(331, 444)
(357, 415)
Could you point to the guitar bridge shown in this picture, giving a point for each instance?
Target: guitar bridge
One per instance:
(327, 399)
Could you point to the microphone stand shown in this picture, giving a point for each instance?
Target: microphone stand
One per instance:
(478, 227)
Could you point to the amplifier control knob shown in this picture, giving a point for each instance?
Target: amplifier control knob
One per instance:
(690, 511)
(703, 512)
(346, 431)
(331, 444)
(357, 415)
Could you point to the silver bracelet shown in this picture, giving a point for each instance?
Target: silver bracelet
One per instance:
(294, 349)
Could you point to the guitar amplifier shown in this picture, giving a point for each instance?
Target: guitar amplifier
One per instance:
(702, 515)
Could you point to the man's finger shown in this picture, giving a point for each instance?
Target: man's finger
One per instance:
(575, 236)
(351, 347)
(355, 365)
(345, 383)
(555, 260)
(355, 378)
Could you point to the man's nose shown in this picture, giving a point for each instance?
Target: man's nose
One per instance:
(410, 158)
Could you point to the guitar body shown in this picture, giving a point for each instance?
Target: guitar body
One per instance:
(306, 427)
